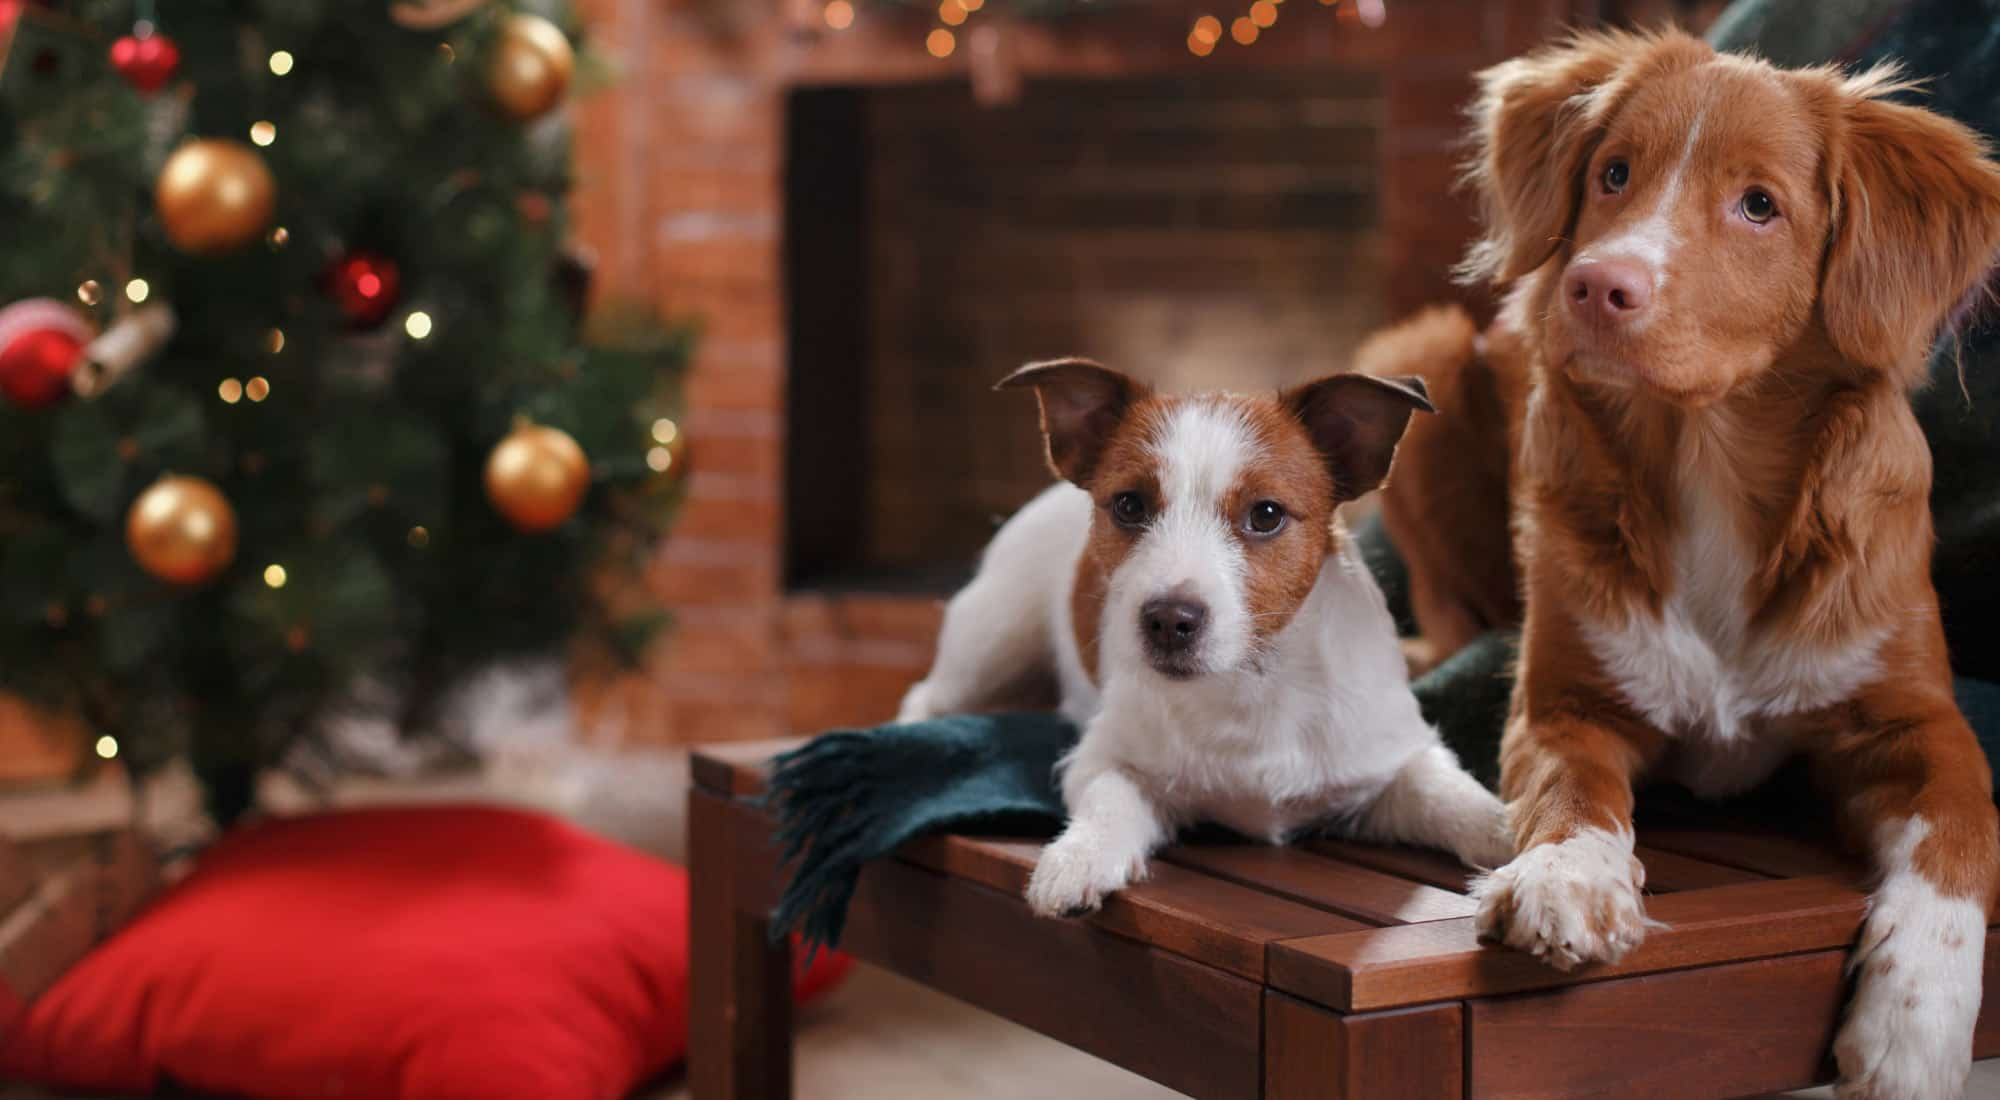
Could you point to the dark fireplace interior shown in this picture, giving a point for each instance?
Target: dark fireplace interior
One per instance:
(1217, 229)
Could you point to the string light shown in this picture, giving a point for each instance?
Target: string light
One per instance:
(263, 133)
(1207, 29)
(941, 42)
(1199, 46)
(90, 292)
(137, 290)
(417, 324)
(659, 459)
(664, 431)
(1373, 13)
(107, 747)
(1263, 13)
(445, 51)
(971, 5)
(1243, 30)
(257, 389)
(274, 576)
(839, 14)
(419, 538)
(952, 12)
(231, 391)
(281, 63)
(280, 237)
(274, 341)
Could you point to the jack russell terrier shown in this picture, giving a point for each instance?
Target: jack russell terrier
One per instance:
(1228, 655)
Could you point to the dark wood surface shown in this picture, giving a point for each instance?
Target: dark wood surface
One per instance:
(1333, 969)
(1311, 1053)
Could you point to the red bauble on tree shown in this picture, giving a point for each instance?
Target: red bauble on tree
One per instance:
(366, 287)
(41, 345)
(146, 60)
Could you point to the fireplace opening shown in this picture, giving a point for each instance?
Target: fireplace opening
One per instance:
(1210, 229)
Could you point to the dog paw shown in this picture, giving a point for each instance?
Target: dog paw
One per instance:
(1072, 877)
(1567, 904)
(1908, 1034)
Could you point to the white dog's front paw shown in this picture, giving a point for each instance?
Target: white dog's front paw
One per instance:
(1073, 875)
(917, 703)
(1908, 1034)
(1567, 904)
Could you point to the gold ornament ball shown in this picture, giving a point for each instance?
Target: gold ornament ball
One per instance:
(214, 196)
(182, 530)
(536, 478)
(532, 64)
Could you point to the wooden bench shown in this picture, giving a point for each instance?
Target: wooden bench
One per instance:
(1335, 970)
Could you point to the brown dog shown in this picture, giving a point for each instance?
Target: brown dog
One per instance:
(1723, 279)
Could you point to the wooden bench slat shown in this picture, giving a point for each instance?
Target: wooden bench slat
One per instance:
(1189, 1027)
(1184, 911)
(739, 768)
(1671, 872)
(1732, 1030)
(1326, 883)
(1752, 849)
(1416, 864)
(1444, 960)
(1408, 1054)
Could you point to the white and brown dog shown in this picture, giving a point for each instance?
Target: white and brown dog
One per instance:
(1227, 653)
(1691, 421)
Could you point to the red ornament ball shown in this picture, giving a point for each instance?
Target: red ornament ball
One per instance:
(146, 62)
(366, 287)
(41, 345)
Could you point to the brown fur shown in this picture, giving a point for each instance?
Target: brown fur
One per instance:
(1774, 376)
(1319, 445)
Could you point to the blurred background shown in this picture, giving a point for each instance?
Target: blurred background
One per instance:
(446, 400)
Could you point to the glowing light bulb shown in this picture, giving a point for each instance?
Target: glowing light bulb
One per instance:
(274, 576)
(107, 747)
(263, 133)
(281, 62)
(839, 14)
(418, 325)
(137, 290)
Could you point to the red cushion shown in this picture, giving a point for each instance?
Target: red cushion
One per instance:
(439, 952)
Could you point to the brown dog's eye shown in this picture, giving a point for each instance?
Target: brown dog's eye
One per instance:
(1759, 206)
(1266, 516)
(1130, 510)
(1616, 173)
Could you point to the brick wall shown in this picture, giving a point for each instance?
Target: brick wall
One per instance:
(682, 189)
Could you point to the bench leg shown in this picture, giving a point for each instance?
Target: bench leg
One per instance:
(1311, 1053)
(740, 985)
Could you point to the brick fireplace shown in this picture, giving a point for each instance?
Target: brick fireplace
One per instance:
(869, 245)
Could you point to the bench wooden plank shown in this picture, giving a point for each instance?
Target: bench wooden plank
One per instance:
(1181, 910)
(1671, 872)
(737, 768)
(1761, 850)
(1744, 1028)
(1444, 960)
(1408, 1054)
(1334, 885)
(1417, 864)
(1190, 1027)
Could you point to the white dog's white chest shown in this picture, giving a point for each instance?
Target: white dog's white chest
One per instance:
(1700, 674)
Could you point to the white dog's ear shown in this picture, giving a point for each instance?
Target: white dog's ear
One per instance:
(1356, 420)
(1083, 402)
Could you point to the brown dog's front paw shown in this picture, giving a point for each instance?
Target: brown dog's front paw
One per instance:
(1567, 904)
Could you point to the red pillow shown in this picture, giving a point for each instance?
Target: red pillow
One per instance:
(441, 952)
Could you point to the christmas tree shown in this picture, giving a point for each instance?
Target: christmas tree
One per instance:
(297, 399)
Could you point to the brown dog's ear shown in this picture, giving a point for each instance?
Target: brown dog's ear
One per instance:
(1535, 124)
(1916, 227)
(1356, 420)
(1082, 404)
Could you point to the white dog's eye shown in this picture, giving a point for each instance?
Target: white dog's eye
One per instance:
(1265, 517)
(1130, 510)
(1616, 175)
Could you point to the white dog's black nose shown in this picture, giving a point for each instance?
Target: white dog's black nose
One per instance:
(1172, 624)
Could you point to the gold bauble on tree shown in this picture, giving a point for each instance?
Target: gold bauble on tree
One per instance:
(214, 196)
(531, 66)
(536, 478)
(182, 530)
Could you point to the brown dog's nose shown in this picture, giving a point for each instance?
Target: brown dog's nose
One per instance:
(1608, 290)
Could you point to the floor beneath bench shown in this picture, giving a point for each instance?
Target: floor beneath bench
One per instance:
(879, 1036)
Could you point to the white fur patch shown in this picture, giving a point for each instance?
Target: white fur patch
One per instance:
(1652, 239)
(1569, 903)
(1699, 673)
(1908, 1034)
